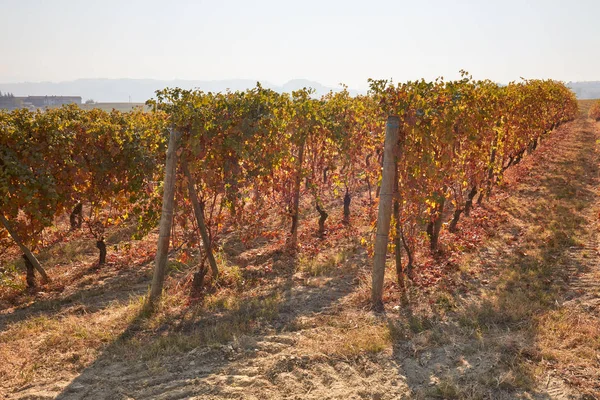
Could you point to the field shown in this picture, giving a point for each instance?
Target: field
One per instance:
(508, 307)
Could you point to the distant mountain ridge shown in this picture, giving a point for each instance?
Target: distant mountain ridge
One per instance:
(586, 90)
(140, 90)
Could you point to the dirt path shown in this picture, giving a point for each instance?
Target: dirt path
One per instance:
(578, 360)
(527, 324)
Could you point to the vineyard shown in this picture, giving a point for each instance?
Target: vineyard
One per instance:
(594, 112)
(397, 173)
(246, 155)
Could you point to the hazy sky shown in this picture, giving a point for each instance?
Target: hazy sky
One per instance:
(327, 41)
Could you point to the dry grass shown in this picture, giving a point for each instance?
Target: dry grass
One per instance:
(347, 336)
(569, 340)
(323, 264)
(220, 319)
(565, 333)
(40, 346)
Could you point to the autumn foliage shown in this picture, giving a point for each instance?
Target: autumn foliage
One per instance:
(53, 161)
(254, 154)
(595, 111)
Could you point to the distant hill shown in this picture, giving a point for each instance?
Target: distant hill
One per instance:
(140, 90)
(586, 90)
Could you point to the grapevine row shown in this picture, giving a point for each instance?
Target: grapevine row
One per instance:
(244, 155)
(594, 112)
(54, 161)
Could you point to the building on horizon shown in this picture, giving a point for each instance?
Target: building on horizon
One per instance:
(37, 102)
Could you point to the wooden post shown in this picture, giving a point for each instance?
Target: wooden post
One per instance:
(385, 209)
(398, 233)
(199, 214)
(166, 218)
(296, 204)
(34, 261)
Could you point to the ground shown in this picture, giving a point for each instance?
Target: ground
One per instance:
(510, 309)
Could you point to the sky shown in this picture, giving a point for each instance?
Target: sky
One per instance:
(328, 41)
